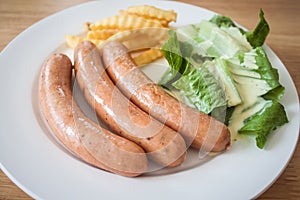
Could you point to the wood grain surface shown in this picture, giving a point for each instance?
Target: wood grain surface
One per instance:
(284, 40)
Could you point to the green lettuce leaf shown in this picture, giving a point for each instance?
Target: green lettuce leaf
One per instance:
(225, 21)
(258, 84)
(176, 54)
(221, 70)
(212, 41)
(264, 122)
(256, 37)
(172, 53)
(253, 69)
(275, 94)
(267, 72)
(202, 89)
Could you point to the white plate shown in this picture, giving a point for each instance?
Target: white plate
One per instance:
(35, 163)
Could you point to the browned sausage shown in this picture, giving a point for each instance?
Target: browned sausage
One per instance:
(161, 143)
(80, 135)
(202, 130)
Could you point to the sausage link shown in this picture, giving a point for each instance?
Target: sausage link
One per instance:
(84, 138)
(161, 143)
(199, 129)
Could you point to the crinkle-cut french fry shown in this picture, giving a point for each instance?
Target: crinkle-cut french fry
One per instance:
(97, 42)
(163, 22)
(119, 37)
(101, 34)
(132, 39)
(138, 28)
(158, 34)
(153, 12)
(87, 26)
(151, 37)
(72, 40)
(123, 22)
(141, 41)
(147, 57)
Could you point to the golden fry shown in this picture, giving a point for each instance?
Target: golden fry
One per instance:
(147, 57)
(87, 26)
(72, 40)
(138, 28)
(123, 22)
(97, 42)
(147, 38)
(140, 38)
(101, 34)
(153, 12)
(163, 22)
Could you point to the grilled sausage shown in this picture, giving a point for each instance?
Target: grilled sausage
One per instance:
(199, 130)
(84, 138)
(161, 143)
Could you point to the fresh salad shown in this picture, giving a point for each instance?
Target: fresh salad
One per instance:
(223, 70)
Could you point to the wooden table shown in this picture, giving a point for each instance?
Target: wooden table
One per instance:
(284, 39)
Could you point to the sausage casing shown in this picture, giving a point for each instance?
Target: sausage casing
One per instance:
(162, 144)
(84, 138)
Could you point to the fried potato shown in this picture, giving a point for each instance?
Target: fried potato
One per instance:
(123, 22)
(153, 12)
(72, 40)
(101, 34)
(137, 27)
(140, 38)
(87, 26)
(147, 38)
(147, 56)
(97, 42)
(164, 23)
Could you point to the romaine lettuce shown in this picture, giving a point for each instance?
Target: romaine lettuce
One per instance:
(212, 41)
(172, 53)
(271, 116)
(253, 73)
(222, 70)
(256, 37)
(202, 89)
(257, 81)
